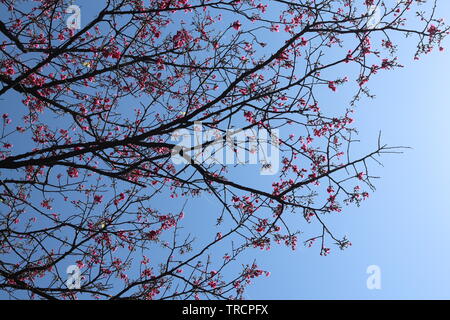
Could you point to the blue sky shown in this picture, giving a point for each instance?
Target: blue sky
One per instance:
(403, 226)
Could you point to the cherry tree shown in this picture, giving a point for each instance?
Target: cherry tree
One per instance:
(94, 102)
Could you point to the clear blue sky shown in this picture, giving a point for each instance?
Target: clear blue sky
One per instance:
(404, 226)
